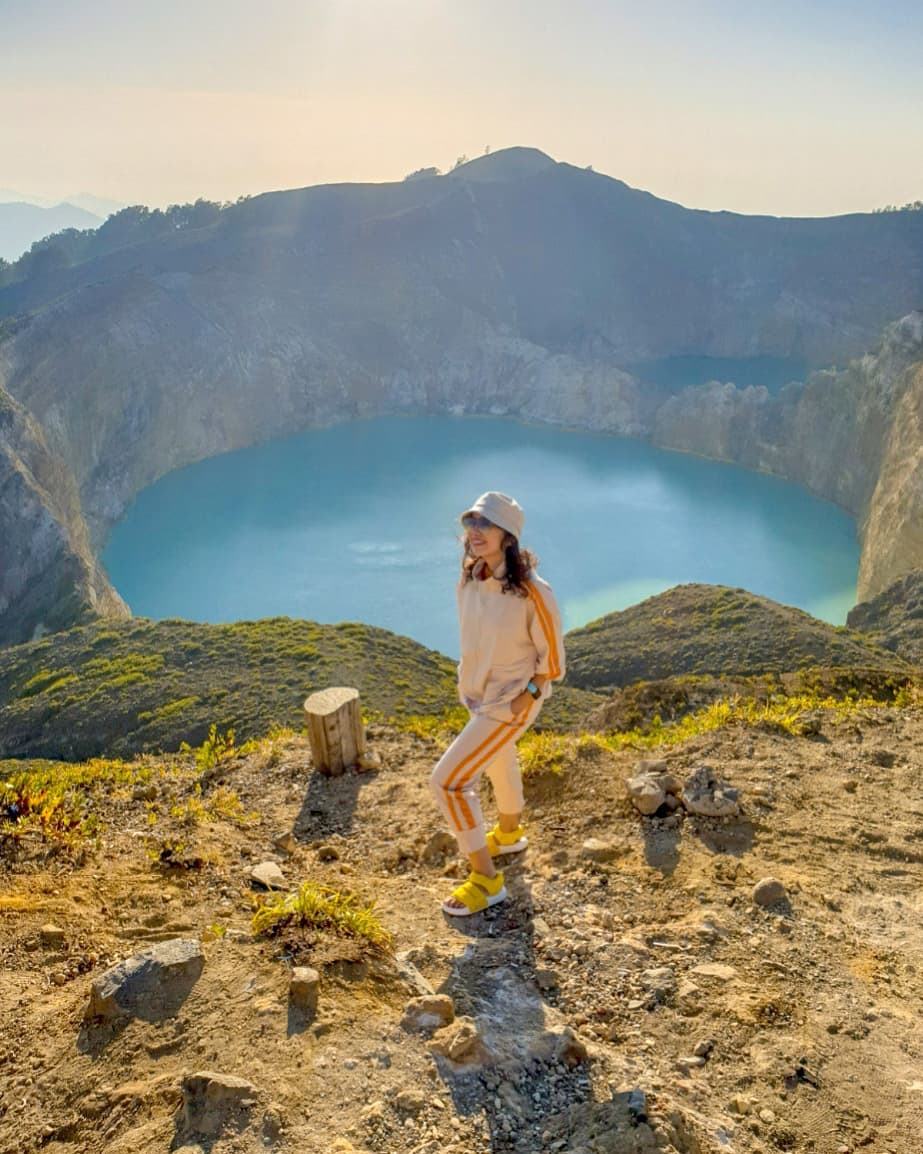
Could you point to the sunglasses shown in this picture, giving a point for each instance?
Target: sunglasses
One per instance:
(475, 521)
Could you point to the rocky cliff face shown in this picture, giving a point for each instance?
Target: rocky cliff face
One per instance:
(49, 578)
(521, 289)
(170, 372)
(854, 436)
(894, 619)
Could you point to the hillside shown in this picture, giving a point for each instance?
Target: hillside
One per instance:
(637, 992)
(514, 286)
(711, 629)
(120, 688)
(894, 619)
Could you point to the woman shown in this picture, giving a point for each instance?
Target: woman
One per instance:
(511, 652)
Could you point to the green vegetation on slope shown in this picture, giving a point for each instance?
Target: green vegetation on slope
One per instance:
(117, 689)
(711, 629)
(127, 687)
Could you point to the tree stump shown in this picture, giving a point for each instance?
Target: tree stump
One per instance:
(335, 729)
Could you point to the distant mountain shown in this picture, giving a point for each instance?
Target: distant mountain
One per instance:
(14, 196)
(101, 206)
(21, 224)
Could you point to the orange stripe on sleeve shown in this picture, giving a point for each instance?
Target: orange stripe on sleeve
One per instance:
(547, 625)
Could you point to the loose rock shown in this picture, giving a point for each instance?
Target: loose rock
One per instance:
(546, 979)
(213, 1103)
(463, 1045)
(51, 935)
(285, 842)
(269, 876)
(705, 794)
(768, 892)
(151, 985)
(593, 849)
(715, 970)
(304, 987)
(646, 794)
(410, 1102)
(660, 981)
(428, 1014)
(409, 973)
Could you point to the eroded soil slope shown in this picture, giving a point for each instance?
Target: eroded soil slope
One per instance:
(638, 936)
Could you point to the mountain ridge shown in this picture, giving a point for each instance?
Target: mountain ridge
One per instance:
(522, 297)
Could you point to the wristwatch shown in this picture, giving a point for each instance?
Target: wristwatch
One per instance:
(534, 690)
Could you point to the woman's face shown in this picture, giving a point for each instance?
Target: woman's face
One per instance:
(484, 540)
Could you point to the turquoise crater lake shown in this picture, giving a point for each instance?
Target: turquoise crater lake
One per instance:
(358, 523)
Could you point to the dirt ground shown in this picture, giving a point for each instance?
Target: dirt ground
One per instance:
(638, 935)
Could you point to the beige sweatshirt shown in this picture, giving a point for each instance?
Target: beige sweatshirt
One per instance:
(506, 639)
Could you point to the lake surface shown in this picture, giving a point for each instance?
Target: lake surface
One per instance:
(359, 523)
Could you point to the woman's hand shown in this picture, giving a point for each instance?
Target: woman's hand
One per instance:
(521, 703)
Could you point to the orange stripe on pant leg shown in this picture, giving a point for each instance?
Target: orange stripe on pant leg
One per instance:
(447, 786)
(466, 822)
(474, 752)
(484, 760)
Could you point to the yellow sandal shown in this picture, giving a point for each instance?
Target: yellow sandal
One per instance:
(499, 843)
(478, 893)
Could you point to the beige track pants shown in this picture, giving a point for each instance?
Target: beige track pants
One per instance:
(487, 744)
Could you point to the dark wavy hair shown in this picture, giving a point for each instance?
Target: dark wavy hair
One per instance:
(519, 565)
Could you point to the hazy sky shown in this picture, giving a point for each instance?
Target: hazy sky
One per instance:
(794, 107)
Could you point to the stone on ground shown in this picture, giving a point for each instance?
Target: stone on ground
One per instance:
(214, 1103)
(151, 985)
(304, 987)
(769, 892)
(706, 795)
(429, 1013)
(269, 876)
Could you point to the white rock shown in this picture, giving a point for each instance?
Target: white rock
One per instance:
(715, 970)
(268, 875)
(646, 794)
(304, 986)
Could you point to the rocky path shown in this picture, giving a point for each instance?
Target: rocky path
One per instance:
(631, 995)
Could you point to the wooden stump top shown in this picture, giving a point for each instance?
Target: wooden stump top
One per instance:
(327, 701)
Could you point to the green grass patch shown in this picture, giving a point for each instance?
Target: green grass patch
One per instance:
(318, 907)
